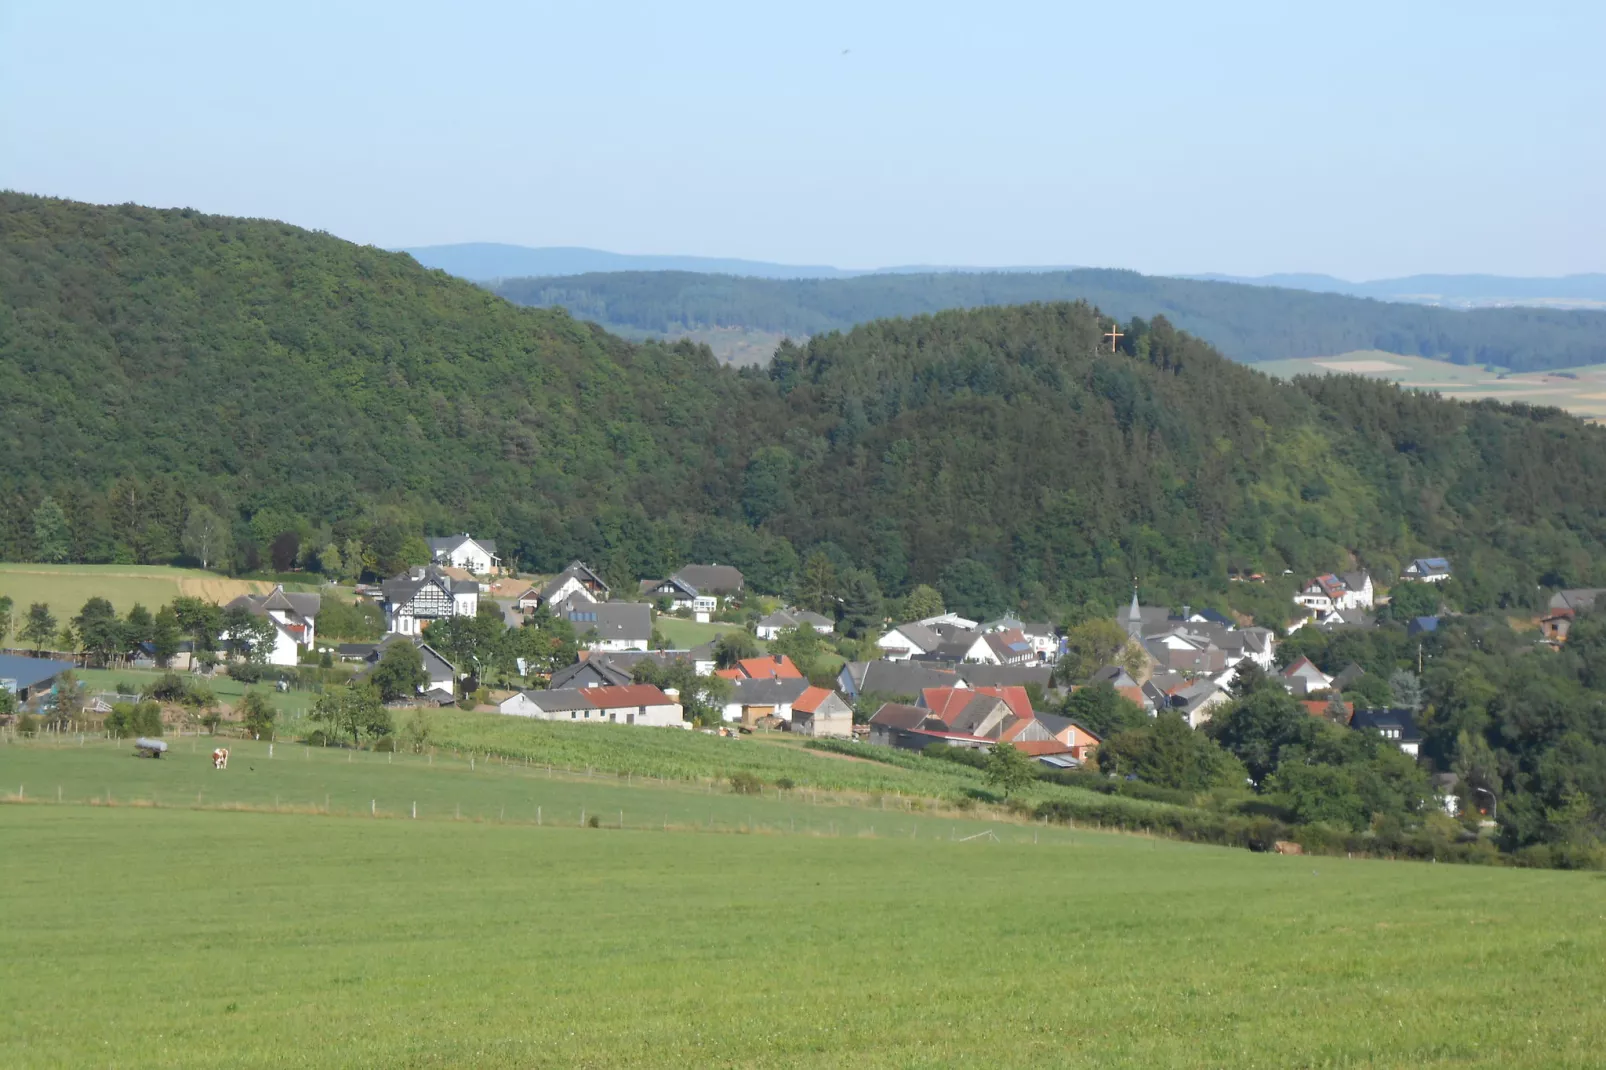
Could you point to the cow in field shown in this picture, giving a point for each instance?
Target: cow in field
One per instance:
(220, 758)
(1288, 847)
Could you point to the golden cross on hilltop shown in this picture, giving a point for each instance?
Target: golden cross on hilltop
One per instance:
(1114, 335)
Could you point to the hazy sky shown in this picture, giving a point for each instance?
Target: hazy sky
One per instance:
(1365, 139)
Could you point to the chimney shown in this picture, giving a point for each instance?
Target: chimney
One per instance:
(1187, 611)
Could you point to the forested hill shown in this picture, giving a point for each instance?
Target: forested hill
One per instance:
(163, 367)
(1248, 323)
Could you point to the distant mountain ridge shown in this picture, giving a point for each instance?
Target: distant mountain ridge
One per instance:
(1577, 291)
(1248, 323)
(496, 261)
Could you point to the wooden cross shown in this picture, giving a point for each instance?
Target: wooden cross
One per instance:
(1114, 335)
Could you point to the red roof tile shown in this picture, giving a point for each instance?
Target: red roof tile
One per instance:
(809, 701)
(770, 667)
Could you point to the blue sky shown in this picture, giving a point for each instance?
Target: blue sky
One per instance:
(1361, 139)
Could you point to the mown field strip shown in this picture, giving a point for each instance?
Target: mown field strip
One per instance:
(445, 787)
(183, 938)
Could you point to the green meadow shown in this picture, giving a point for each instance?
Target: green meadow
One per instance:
(297, 929)
(65, 588)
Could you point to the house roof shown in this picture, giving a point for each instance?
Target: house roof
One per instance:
(1419, 625)
(712, 579)
(898, 715)
(1006, 675)
(1576, 599)
(770, 666)
(302, 605)
(898, 677)
(618, 621)
(1009, 644)
(673, 581)
(1348, 675)
(1318, 707)
(448, 543)
(1303, 666)
(1392, 717)
(767, 691)
(612, 698)
(1057, 725)
(31, 672)
(562, 700)
(1355, 581)
(918, 634)
(1038, 747)
(812, 699)
(599, 668)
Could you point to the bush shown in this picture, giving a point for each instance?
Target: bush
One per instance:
(746, 784)
(785, 783)
(245, 672)
(385, 744)
(169, 687)
(27, 724)
(976, 759)
(594, 822)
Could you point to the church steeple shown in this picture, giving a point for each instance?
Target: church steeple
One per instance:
(1134, 615)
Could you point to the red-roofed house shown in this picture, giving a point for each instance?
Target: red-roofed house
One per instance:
(769, 667)
(819, 712)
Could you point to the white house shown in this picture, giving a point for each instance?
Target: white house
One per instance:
(1427, 570)
(421, 595)
(908, 640)
(636, 704)
(786, 619)
(294, 619)
(579, 579)
(466, 552)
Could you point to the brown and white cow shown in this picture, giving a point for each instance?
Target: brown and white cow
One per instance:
(1288, 847)
(220, 758)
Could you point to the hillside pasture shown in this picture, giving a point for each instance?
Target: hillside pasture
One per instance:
(184, 937)
(1581, 391)
(65, 588)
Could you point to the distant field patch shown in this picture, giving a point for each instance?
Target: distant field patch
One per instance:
(1580, 391)
(1362, 367)
(68, 587)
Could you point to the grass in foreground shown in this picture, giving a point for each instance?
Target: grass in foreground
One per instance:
(184, 938)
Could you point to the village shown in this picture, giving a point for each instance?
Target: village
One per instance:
(464, 631)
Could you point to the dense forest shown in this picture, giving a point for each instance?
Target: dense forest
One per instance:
(246, 394)
(1248, 323)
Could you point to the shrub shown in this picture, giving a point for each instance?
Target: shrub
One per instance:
(245, 672)
(27, 724)
(385, 744)
(169, 687)
(745, 783)
(594, 822)
(785, 783)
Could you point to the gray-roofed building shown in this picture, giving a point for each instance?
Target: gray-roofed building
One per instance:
(1005, 675)
(1347, 676)
(1564, 608)
(442, 685)
(783, 620)
(910, 640)
(26, 677)
(754, 699)
(412, 599)
(579, 579)
(1395, 724)
(617, 625)
(892, 678)
(595, 671)
(720, 581)
(294, 619)
(1427, 570)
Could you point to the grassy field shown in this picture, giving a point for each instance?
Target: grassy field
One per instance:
(1581, 391)
(228, 690)
(685, 634)
(174, 936)
(65, 588)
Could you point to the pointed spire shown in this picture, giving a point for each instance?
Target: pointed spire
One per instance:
(1134, 613)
